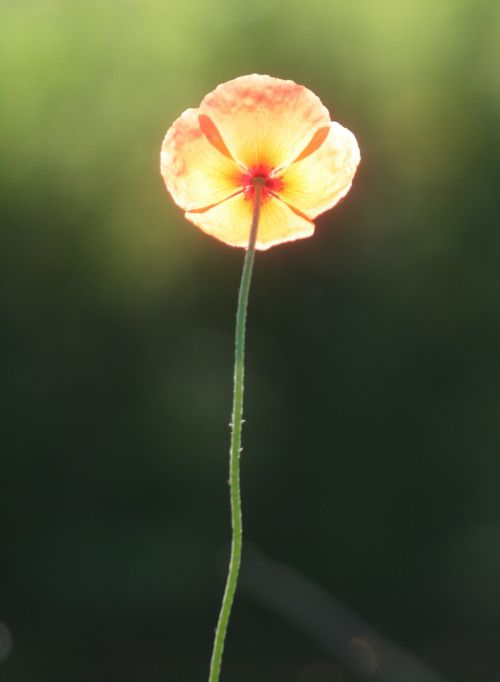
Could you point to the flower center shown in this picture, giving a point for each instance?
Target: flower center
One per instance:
(270, 183)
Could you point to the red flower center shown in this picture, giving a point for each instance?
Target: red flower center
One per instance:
(271, 184)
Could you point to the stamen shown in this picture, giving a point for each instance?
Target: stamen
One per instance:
(263, 176)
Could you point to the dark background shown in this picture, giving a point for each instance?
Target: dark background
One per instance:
(371, 457)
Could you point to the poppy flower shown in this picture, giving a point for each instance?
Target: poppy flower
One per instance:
(258, 126)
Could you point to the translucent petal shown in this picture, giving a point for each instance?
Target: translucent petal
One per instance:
(316, 183)
(196, 172)
(230, 222)
(265, 121)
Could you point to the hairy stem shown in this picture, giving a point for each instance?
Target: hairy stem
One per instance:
(236, 426)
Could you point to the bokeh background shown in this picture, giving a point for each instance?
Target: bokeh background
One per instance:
(371, 462)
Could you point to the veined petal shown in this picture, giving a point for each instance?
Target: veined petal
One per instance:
(230, 222)
(265, 121)
(195, 172)
(317, 182)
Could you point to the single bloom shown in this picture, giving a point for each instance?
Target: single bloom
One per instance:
(258, 126)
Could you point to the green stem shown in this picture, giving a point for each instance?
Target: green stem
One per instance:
(234, 455)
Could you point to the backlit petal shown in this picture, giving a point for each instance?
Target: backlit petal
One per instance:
(265, 121)
(230, 222)
(317, 182)
(196, 173)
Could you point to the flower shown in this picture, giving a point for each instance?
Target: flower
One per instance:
(258, 126)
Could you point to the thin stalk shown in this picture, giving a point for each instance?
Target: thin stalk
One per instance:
(235, 450)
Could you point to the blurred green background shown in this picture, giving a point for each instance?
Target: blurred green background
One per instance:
(372, 441)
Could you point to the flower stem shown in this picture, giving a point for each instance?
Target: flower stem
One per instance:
(234, 454)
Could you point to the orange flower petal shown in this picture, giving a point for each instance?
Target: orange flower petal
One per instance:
(230, 222)
(265, 120)
(195, 172)
(316, 183)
